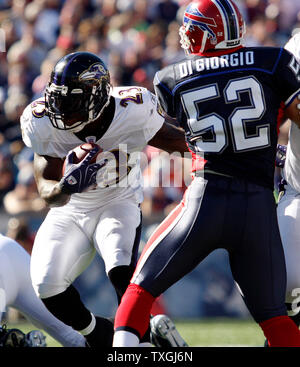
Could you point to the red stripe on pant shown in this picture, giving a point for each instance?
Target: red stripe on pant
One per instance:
(281, 331)
(162, 228)
(134, 310)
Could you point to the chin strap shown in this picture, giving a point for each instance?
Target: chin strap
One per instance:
(204, 39)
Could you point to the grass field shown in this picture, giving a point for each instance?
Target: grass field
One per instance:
(201, 333)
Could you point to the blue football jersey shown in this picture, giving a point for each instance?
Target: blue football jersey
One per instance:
(230, 107)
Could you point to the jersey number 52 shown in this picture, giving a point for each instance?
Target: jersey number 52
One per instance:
(237, 121)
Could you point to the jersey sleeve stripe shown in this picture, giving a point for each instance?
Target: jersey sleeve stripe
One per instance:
(291, 98)
(277, 60)
(158, 82)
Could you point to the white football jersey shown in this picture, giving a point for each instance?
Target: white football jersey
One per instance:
(292, 163)
(136, 120)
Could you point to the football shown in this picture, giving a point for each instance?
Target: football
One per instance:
(81, 151)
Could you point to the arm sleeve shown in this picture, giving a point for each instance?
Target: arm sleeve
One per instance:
(163, 89)
(155, 117)
(36, 134)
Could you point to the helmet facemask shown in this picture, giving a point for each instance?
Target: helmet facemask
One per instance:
(188, 43)
(78, 91)
(72, 109)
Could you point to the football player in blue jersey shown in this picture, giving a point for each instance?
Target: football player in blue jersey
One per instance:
(229, 100)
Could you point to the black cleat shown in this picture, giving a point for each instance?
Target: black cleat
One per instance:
(102, 335)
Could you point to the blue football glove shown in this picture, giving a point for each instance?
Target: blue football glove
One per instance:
(81, 176)
(280, 156)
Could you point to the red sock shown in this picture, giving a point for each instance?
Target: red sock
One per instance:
(133, 313)
(281, 331)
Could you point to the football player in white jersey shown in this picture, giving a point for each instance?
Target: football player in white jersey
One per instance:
(94, 207)
(16, 291)
(289, 206)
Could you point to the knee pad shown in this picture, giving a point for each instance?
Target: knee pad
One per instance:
(120, 277)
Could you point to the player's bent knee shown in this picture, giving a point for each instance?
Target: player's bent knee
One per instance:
(47, 285)
(117, 259)
(120, 277)
(44, 290)
(269, 314)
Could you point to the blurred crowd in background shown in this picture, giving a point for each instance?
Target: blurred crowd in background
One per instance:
(134, 38)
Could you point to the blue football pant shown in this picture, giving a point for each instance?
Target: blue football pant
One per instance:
(221, 212)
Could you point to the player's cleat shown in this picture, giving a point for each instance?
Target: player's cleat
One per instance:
(164, 333)
(102, 335)
(11, 338)
(34, 339)
(16, 338)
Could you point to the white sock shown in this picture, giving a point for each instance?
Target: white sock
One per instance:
(90, 327)
(124, 338)
(145, 345)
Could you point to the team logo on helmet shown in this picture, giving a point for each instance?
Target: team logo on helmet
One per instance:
(96, 71)
(194, 18)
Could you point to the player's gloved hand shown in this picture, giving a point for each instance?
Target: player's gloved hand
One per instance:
(280, 156)
(280, 183)
(81, 176)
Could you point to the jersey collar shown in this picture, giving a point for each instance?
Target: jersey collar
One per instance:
(99, 127)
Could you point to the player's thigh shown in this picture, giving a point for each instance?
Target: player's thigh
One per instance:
(60, 253)
(117, 234)
(9, 283)
(288, 212)
(181, 241)
(257, 263)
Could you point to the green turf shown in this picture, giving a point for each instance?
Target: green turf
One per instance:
(221, 332)
(26, 327)
(201, 333)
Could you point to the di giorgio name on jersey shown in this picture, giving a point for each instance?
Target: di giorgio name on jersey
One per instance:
(210, 63)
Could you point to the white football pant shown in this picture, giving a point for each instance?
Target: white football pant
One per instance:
(67, 241)
(288, 212)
